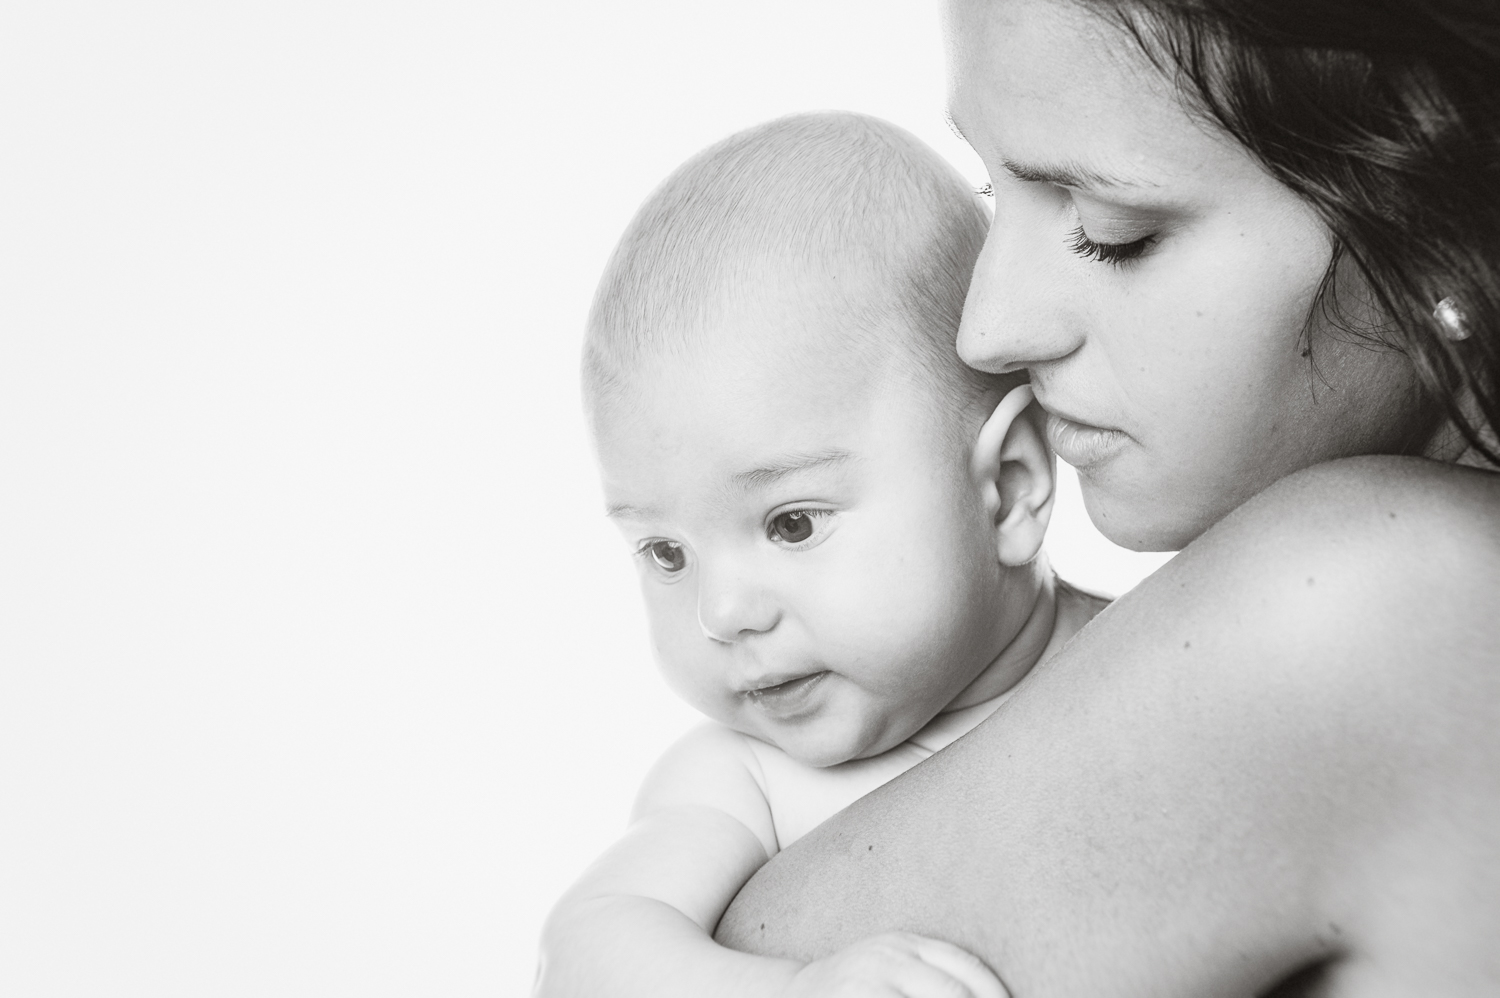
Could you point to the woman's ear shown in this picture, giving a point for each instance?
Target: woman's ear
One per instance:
(1012, 462)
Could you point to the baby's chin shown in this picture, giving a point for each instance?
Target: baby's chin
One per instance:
(823, 744)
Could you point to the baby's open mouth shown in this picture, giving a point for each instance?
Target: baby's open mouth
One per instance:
(788, 689)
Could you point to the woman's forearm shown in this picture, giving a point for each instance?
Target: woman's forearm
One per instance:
(1217, 783)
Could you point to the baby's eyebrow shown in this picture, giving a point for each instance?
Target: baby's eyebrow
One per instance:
(759, 478)
(625, 510)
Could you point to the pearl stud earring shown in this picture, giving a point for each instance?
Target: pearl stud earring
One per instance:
(1452, 319)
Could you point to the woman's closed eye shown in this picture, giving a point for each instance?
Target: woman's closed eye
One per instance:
(1103, 251)
(799, 528)
(1112, 253)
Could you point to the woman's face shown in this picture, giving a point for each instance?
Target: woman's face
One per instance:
(1154, 279)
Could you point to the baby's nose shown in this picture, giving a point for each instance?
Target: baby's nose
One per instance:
(732, 607)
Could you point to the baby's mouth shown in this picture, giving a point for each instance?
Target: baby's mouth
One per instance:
(785, 698)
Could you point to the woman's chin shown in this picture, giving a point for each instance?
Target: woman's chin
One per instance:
(1142, 519)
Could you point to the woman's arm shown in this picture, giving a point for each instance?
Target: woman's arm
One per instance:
(1283, 748)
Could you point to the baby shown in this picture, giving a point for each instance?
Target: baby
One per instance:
(838, 528)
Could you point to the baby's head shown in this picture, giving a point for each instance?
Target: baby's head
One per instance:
(835, 524)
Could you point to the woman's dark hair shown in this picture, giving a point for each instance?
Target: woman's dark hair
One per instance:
(1384, 115)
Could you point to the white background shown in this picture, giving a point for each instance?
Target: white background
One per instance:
(321, 672)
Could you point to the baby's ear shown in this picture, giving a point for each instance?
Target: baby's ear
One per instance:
(1012, 463)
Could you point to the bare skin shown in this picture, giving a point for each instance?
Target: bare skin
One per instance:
(1276, 764)
(1227, 778)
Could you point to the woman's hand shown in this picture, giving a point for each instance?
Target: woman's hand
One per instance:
(897, 965)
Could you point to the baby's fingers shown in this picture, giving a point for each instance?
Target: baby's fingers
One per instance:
(919, 979)
(896, 965)
(962, 966)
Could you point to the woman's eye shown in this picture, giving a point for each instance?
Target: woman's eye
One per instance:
(1116, 253)
(794, 527)
(667, 555)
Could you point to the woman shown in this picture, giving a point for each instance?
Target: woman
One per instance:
(1250, 253)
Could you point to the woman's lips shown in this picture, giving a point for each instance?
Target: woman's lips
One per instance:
(1080, 444)
(787, 698)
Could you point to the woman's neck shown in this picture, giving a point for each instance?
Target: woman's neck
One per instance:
(1450, 446)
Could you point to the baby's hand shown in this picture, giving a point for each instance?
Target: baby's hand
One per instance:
(897, 965)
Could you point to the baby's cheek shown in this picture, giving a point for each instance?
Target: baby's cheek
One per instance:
(677, 648)
(887, 569)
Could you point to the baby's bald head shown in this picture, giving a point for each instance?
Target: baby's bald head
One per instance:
(835, 213)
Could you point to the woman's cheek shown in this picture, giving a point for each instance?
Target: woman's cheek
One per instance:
(1224, 334)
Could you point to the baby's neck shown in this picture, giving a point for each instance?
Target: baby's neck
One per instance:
(1058, 613)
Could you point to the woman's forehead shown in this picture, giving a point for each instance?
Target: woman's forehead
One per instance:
(1053, 91)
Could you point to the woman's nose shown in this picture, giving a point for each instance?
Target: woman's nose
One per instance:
(733, 605)
(1022, 307)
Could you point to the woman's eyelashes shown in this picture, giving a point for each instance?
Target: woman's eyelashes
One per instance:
(1115, 253)
(799, 527)
(1112, 253)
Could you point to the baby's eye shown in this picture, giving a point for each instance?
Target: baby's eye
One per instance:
(795, 526)
(666, 555)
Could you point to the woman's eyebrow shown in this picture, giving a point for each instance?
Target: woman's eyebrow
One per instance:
(1068, 174)
(1063, 174)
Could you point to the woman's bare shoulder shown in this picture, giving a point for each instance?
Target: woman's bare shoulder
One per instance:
(1370, 559)
(1379, 488)
(1300, 711)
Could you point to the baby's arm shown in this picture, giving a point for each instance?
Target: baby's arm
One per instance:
(639, 921)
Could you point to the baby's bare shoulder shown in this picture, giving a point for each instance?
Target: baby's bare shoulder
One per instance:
(709, 755)
(715, 767)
